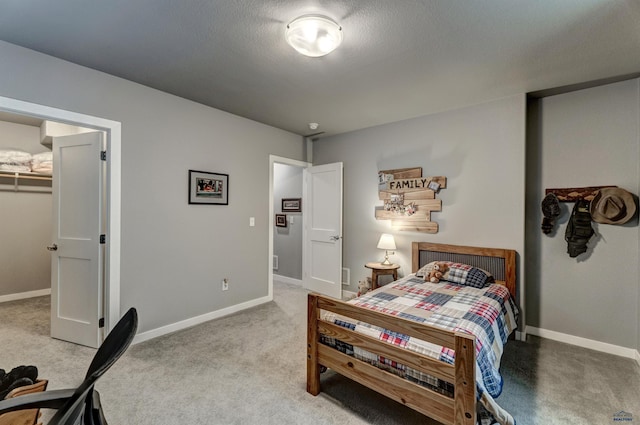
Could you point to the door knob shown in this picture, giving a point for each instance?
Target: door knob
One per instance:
(53, 247)
(335, 238)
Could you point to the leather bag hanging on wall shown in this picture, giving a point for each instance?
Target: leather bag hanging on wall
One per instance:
(579, 229)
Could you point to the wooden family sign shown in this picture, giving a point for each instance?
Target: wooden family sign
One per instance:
(408, 199)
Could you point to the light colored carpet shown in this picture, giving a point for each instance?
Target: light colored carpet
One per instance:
(249, 368)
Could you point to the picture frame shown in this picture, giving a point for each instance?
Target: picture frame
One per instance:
(434, 185)
(206, 188)
(291, 204)
(281, 220)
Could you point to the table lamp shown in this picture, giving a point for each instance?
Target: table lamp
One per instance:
(386, 242)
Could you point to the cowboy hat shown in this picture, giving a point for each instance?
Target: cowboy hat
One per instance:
(612, 205)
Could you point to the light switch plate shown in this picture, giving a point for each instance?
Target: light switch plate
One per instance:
(252, 221)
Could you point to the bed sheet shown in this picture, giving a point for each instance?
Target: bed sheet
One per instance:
(489, 314)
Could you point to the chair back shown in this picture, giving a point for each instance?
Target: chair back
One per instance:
(79, 409)
(115, 344)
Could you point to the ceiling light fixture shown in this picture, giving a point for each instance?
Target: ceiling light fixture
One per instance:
(314, 35)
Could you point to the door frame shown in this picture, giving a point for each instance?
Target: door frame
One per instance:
(274, 159)
(113, 194)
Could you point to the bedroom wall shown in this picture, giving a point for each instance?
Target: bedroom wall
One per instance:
(584, 138)
(480, 149)
(25, 222)
(287, 241)
(173, 254)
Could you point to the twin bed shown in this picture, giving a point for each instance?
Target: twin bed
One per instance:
(434, 347)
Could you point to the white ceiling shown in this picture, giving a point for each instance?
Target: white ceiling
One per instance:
(399, 58)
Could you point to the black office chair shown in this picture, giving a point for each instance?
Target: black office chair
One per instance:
(81, 406)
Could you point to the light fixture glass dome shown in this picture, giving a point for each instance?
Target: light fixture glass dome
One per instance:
(314, 35)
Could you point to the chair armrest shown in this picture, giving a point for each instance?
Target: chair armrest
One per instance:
(46, 400)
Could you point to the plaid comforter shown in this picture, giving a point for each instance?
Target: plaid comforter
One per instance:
(487, 313)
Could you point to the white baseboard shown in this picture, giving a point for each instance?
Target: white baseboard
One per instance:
(347, 295)
(585, 343)
(287, 279)
(24, 295)
(184, 324)
(638, 357)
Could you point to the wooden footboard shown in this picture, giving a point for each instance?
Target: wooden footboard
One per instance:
(460, 410)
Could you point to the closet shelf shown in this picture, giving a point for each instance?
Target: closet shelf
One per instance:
(26, 178)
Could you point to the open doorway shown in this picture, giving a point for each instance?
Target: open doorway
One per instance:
(112, 199)
(26, 180)
(285, 239)
(25, 209)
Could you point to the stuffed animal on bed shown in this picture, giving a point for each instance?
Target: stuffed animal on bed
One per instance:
(439, 269)
(364, 286)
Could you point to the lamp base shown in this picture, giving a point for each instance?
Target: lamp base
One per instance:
(386, 261)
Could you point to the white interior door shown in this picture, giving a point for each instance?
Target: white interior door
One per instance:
(76, 252)
(322, 229)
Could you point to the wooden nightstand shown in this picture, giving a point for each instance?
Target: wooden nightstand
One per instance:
(378, 269)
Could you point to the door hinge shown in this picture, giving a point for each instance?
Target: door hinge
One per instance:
(101, 322)
(103, 239)
(103, 155)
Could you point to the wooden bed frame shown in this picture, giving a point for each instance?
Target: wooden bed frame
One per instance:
(459, 410)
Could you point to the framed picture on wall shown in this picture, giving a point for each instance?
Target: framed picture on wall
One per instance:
(291, 204)
(281, 220)
(208, 188)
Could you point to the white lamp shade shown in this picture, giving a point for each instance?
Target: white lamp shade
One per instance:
(386, 242)
(314, 35)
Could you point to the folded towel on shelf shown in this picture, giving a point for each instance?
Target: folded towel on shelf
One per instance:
(42, 163)
(15, 160)
(7, 155)
(15, 168)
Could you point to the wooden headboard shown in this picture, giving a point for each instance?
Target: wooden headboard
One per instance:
(501, 263)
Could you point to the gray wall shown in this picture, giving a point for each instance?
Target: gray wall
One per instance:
(584, 138)
(287, 241)
(481, 151)
(173, 254)
(25, 222)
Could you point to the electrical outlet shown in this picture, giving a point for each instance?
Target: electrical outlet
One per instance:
(225, 284)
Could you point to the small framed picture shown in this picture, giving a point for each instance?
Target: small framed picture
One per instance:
(281, 220)
(291, 204)
(384, 178)
(208, 188)
(434, 185)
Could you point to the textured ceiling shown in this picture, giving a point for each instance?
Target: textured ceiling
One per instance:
(399, 59)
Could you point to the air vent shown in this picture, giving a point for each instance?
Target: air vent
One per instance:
(275, 262)
(346, 276)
